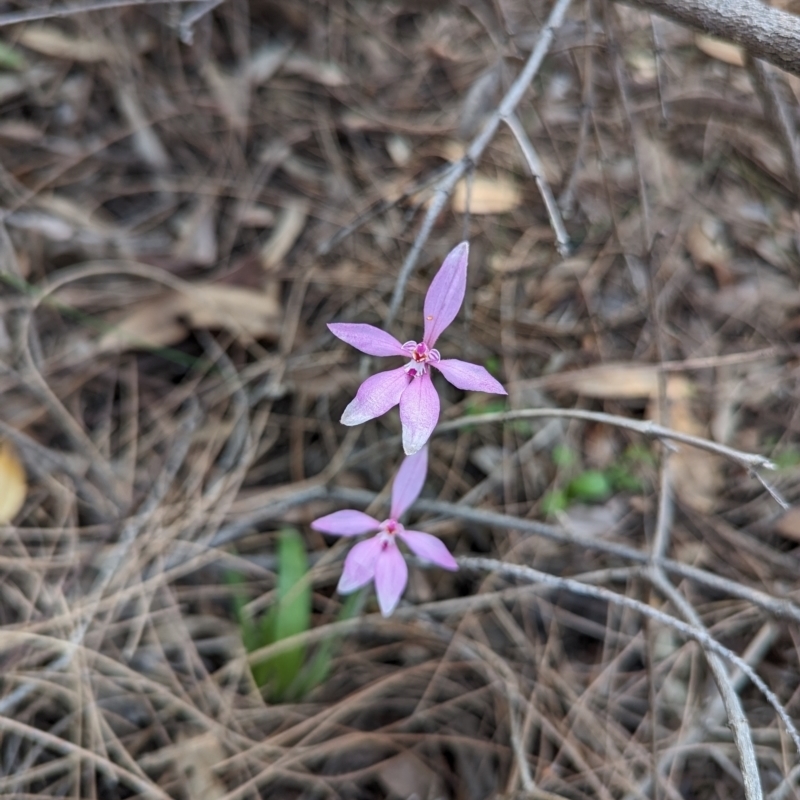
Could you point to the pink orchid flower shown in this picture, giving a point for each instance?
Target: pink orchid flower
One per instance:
(379, 557)
(411, 386)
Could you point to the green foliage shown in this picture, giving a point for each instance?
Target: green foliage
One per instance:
(627, 474)
(11, 58)
(289, 675)
(492, 364)
(787, 458)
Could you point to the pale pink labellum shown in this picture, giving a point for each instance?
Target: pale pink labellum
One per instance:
(411, 385)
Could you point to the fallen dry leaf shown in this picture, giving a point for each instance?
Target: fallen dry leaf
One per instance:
(195, 758)
(696, 474)
(13, 485)
(486, 195)
(151, 324)
(788, 524)
(235, 308)
(289, 226)
(160, 322)
(607, 381)
(706, 244)
(720, 50)
(51, 41)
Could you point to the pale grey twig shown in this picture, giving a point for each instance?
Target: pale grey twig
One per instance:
(600, 593)
(772, 91)
(507, 107)
(120, 553)
(193, 15)
(765, 31)
(742, 735)
(34, 14)
(647, 428)
(778, 607)
(537, 170)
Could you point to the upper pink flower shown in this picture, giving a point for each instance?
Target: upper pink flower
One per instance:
(411, 386)
(379, 558)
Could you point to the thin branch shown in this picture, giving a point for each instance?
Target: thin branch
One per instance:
(764, 31)
(748, 460)
(772, 91)
(742, 735)
(506, 108)
(699, 635)
(778, 607)
(537, 170)
(34, 14)
(193, 15)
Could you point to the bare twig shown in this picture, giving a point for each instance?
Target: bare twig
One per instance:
(193, 15)
(766, 32)
(506, 108)
(537, 170)
(742, 735)
(779, 607)
(600, 593)
(34, 14)
(772, 92)
(749, 461)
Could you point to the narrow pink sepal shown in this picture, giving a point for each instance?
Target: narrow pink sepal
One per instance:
(376, 396)
(472, 377)
(346, 523)
(408, 482)
(419, 413)
(359, 566)
(367, 338)
(391, 576)
(446, 293)
(429, 547)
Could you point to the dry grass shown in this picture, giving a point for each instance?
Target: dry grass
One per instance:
(190, 194)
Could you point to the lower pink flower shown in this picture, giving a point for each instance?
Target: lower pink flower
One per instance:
(379, 558)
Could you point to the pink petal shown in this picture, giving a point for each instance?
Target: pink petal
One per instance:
(419, 413)
(446, 293)
(376, 396)
(391, 576)
(359, 566)
(408, 482)
(429, 547)
(367, 338)
(464, 375)
(346, 523)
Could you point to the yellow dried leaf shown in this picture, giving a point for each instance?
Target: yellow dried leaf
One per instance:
(696, 474)
(51, 41)
(151, 324)
(720, 50)
(196, 758)
(289, 226)
(486, 196)
(235, 308)
(13, 485)
(706, 244)
(607, 381)
(160, 322)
